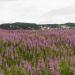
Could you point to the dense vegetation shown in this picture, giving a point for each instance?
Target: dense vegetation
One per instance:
(37, 52)
(19, 25)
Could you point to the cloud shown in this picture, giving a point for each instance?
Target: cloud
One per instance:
(7, 0)
(61, 15)
(30, 10)
(64, 11)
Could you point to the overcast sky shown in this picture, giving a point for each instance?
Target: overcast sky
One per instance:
(34, 10)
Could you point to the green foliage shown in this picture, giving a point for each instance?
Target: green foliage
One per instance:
(64, 68)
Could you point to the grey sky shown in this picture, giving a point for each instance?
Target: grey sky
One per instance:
(62, 15)
(32, 10)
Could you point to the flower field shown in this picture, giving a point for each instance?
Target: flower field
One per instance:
(37, 52)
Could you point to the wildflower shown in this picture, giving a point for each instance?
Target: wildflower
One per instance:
(29, 68)
(42, 64)
(7, 67)
(0, 59)
(57, 69)
(51, 65)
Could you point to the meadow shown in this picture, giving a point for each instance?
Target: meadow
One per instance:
(37, 52)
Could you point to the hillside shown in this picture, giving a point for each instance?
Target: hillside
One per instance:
(19, 25)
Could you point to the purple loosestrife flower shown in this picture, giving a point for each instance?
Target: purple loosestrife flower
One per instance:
(17, 66)
(25, 64)
(0, 60)
(42, 65)
(57, 69)
(38, 67)
(29, 68)
(12, 56)
(1, 73)
(57, 72)
(51, 64)
(12, 48)
(7, 66)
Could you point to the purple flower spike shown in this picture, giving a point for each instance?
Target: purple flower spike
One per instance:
(51, 64)
(42, 65)
(29, 68)
(7, 66)
(57, 72)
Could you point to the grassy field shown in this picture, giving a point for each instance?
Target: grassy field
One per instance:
(37, 52)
